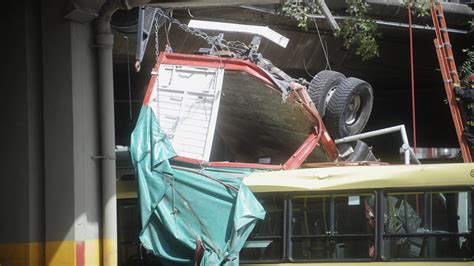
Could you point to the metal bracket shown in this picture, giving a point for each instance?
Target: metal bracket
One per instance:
(330, 18)
(146, 17)
(103, 157)
(254, 45)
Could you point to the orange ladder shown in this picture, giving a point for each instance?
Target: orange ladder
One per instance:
(450, 74)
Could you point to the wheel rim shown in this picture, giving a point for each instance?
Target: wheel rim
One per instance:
(352, 111)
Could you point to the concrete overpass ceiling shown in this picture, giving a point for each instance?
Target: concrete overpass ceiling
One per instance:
(392, 10)
(389, 74)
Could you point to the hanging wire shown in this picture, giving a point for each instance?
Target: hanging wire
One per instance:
(189, 13)
(141, 252)
(168, 48)
(208, 176)
(306, 69)
(327, 53)
(129, 85)
(322, 45)
(173, 187)
(412, 75)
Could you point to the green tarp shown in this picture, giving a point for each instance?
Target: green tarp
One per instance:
(183, 208)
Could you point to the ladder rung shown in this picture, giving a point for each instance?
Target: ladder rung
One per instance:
(449, 81)
(447, 44)
(443, 29)
(450, 58)
(440, 16)
(453, 72)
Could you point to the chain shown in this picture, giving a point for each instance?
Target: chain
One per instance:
(216, 41)
(157, 46)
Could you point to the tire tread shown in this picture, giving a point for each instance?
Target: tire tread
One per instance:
(316, 88)
(337, 104)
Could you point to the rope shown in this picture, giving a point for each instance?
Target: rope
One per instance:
(207, 176)
(129, 84)
(322, 45)
(410, 29)
(412, 76)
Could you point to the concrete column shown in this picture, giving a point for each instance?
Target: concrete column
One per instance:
(71, 127)
(21, 156)
(50, 188)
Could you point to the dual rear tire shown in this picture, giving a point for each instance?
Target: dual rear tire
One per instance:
(322, 87)
(344, 103)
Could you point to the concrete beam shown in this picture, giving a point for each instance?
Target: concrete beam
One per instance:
(72, 186)
(183, 4)
(83, 11)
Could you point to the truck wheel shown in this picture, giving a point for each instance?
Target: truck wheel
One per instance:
(349, 108)
(321, 88)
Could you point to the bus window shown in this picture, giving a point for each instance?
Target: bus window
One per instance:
(130, 252)
(332, 227)
(265, 243)
(427, 225)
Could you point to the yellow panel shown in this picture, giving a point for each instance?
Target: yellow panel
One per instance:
(36, 253)
(411, 263)
(110, 252)
(54, 253)
(22, 254)
(362, 177)
(127, 189)
(61, 253)
(92, 253)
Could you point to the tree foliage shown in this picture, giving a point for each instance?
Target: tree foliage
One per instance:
(359, 30)
(467, 67)
(299, 10)
(419, 8)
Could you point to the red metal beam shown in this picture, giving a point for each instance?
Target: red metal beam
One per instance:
(297, 159)
(228, 164)
(217, 62)
(323, 137)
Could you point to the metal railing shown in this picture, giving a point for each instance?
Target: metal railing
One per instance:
(409, 154)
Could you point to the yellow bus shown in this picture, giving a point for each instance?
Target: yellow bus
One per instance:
(405, 214)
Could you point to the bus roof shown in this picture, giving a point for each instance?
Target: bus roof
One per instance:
(362, 177)
(347, 178)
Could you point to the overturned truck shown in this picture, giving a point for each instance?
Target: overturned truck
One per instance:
(219, 109)
(207, 122)
(210, 120)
